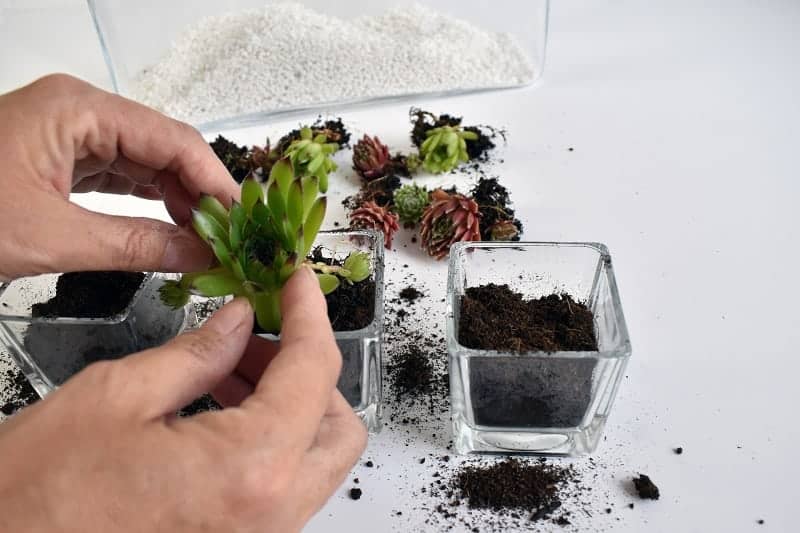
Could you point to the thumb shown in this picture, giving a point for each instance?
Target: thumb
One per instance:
(164, 379)
(86, 240)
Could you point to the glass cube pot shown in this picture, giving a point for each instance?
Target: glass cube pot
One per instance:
(50, 350)
(360, 381)
(507, 49)
(535, 402)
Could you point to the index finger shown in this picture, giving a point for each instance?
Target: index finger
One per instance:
(296, 387)
(167, 146)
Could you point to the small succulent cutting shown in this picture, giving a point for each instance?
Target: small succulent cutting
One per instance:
(260, 242)
(410, 202)
(371, 159)
(449, 219)
(445, 147)
(372, 216)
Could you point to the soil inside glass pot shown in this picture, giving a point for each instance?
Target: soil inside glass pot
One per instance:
(62, 350)
(526, 391)
(90, 295)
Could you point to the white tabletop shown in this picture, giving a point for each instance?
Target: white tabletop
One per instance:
(684, 123)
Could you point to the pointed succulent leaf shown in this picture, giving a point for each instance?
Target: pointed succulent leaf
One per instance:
(221, 252)
(306, 134)
(294, 204)
(238, 219)
(310, 192)
(328, 283)
(316, 163)
(321, 138)
(210, 205)
(252, 193)
(313, 222)
(213, 285)
(282, 173)
(275, 200)
(290, 234)
(261, 214)
(469, 135)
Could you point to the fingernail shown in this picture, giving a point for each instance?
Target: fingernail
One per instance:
(184, 253)
(230, 317)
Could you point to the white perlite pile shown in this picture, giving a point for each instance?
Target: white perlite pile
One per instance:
(287, 56)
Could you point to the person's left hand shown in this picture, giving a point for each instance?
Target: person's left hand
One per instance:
(61, 135)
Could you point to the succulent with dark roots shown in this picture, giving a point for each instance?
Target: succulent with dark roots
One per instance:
(503, 230)
(450, 218)
(445, 148)
(372, 216)
(310, 156)
(496, 212)
(371, 159)
(410, 202)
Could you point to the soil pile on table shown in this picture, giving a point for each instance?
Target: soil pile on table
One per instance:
(493, 317)
(645, 487)
(90, 294)
(16, 392)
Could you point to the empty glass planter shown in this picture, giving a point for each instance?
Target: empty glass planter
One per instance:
(220, 64)
(360, 381)
(49, 350)
(535, 402)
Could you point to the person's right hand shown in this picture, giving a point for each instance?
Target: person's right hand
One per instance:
(105, 452)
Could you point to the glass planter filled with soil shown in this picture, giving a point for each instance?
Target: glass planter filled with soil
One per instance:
(356, 314)
(54, 325)
(538, 346)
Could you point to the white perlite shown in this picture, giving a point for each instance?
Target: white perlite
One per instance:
(287, 56)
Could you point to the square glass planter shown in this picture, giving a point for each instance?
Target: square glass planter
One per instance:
(535, 402)
(360, 381)
(50, 350)
(506, 49)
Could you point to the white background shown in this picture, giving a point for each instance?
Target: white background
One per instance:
(684, 122)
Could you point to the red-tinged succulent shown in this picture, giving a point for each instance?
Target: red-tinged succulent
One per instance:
(371, 159)
(503, 230)
(450, 218)
(372, 216)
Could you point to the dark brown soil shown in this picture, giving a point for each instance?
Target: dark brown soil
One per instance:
(678, 450)
(233, 156)
(514, 484)
(645, 487)
(410, 294)
(410, 371)
(494, 203)
(16, 392)
(90, 295)
(493, 317)
(355, 493)
(380, 191)
(200, 405)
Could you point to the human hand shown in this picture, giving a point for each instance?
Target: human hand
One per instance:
(61, 135)
(105, 453)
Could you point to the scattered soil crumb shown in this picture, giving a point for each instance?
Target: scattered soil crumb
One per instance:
(645, 487)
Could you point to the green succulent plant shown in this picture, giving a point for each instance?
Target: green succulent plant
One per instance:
(445, 147)
(410, 201)
(310, 156)
(260, 242)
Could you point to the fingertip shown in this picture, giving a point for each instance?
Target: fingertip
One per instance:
(231, 317)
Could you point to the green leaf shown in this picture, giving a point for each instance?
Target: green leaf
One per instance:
(328, 283)
(213, 285)
(294, 204)
(310, 192)
(252, 193)
(268, 310)
(321, 138)
(469, 135)
(316, 163)
(323, 180)
(306, 133)
(261, 214)
(276, 201)
(210, 205)
(290, 234)
(313, 222)
(358, 265)
(207, 227)
(282, 173)
(221, 252)
(238, 219)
